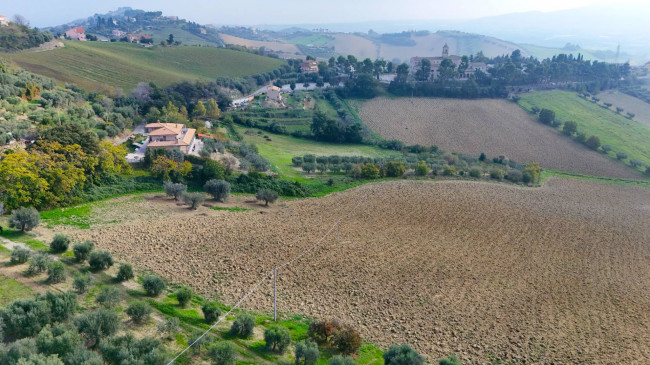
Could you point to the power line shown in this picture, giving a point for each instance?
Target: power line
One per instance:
(272, 272)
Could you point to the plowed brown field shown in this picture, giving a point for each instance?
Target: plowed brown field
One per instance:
(495, 127)
(553, 274)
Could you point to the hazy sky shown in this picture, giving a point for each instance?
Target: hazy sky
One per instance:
(48, 13)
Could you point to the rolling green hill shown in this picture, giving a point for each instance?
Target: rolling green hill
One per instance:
(622, 134)
(95, 65)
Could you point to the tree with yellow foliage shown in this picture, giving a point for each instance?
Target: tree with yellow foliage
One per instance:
(212, 109)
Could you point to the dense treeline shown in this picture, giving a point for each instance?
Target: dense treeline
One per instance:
(17, 36)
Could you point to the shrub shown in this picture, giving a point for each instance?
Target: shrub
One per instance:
(308, 167)
(606, 148)
(546, 116)
(347, 340)
(496, 174)
(636, 163)
(395, 169)
(184, 295)
(60, 243)
(153, 285)
(24, 219)
(243, 325)
(297, 161)
(369, 171)
(475, 173)
(211, 312)
(82, 250)
(55, 272)
(593, 142)
(448, 170)
(323, 330)
(81, 355)
(515, 175)
(222, 353)
(138, 311)
(421, 169)
(129, 350)
(197, 338)
(341, 360)
(100, 260)
(176, 190)
(97, 324)
(449, 360)
(124, 272)
(194, 200)
(59, 339)
(38, 263)
(581, 138)
(81, 283)
(621, 155)
(108, 296)
(277, 339)
(570, 128)
(169, 326)
(306, 353)
(647, 171)
(219, 189)
(482, 157)
(267, 195)
(402, 355)
(534, 171)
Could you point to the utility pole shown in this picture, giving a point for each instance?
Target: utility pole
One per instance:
(275, 303)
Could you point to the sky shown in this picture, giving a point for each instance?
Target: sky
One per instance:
(42, 13)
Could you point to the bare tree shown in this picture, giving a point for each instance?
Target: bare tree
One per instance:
(20, 20)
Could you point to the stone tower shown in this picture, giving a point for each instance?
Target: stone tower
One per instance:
(445, 50)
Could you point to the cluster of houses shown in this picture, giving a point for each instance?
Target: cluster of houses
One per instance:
(472, 67)
(309, 66)
(78, 34)
(4, 22)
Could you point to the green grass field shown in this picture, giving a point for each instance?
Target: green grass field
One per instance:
(11, 289)
(95, 65)
(282, 148)
(622, 134)
(314, 40)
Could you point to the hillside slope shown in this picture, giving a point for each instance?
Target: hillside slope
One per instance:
(94, 64)
(495, 127)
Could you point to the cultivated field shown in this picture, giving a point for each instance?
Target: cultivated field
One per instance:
(95, 64)
(287, 49)
(350, 44)
(555, 274)
(495, 127)
(640, 108)
(622, 134)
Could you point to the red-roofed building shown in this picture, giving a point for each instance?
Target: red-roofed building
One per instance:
(76, 33)
(170, 136)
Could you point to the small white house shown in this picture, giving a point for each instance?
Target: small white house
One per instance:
(4, 22)
(274, 93)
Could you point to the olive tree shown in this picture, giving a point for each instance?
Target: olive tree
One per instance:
(222, 353)
(108, 296)
(82, 250)
(174, 189)
(402, 355)
(211, 312)
(194, 200)
(340, 360)
(306, 353)
(267, 195)
(100, 260)
(97, 324)
(60, 243)
(124, 272)
(219, 189)
(243, 325)
(24, 219)
(38, 263)
(277, 339)
(19, 255)
(184, 295)
(138, 311)
(153, 285)
(81, 283)
(55, 272)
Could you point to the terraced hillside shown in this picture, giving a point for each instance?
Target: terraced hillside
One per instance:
(492, 126)
(95, 64)
(555, 274)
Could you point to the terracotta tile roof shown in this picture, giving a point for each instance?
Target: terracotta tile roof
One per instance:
(189, 136)
(186, 141)
(167, 129)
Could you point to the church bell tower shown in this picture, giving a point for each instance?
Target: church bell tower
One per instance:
(445, 50)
